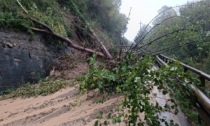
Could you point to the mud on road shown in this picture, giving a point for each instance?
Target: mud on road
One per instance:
(63, 108)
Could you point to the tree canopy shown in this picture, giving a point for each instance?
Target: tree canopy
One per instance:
(181, 32)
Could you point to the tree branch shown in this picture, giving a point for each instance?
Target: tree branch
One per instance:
(22, 6)
(34, 20)
(68, 41)
(102, 45)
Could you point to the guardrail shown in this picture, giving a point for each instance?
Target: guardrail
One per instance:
(202, 99)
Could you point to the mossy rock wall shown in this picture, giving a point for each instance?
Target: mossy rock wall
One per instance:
(25, 58)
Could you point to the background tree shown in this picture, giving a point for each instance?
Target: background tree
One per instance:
(106, 14)
(182, 33)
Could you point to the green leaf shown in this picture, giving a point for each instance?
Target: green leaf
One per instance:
(165, 92)
(106, 123)
(109, 116)
(100, 115)
(96, 123)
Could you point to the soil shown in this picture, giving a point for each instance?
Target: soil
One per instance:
(68, 107)
(63, 108)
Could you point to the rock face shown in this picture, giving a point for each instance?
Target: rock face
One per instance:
(25, 58)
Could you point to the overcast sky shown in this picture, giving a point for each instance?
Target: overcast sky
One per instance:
(143, 11)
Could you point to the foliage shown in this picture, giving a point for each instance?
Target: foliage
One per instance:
(9, 19)
(50, 17)
(12, 15)
(99, 15)
(181, 33)
(44, 87)
(135, 78)
(107, 14)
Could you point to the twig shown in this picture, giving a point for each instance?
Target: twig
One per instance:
(22, 6)
(34, 20)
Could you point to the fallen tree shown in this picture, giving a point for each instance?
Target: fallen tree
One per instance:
(47, 30)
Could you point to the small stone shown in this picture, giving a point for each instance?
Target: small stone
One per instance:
(10, 45)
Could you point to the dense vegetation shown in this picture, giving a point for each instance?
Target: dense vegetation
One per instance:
(132, 74)
(180, 32)
(68, 18)
(135, 78)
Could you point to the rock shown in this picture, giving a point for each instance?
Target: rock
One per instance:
(23, 59)
(10, 45)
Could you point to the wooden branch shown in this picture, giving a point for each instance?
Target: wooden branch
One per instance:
(94, 36)
(143, 35)
(34, 20)
(42, 24)
(102, 45)
(69, 42)
(22, 7)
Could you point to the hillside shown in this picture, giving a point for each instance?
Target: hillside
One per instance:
(66, 62)
(59, 28)
(45, 49)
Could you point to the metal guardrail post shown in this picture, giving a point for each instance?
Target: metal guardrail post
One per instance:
(203, 100)
(201, 73)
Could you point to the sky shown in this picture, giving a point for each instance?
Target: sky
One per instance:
(143, 11)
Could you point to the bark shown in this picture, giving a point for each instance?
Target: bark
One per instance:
(69, 42)
(102, 45)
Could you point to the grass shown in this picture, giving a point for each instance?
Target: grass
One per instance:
(43, 88)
